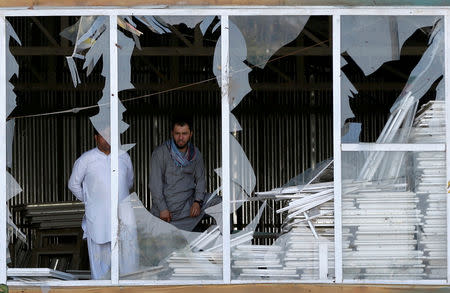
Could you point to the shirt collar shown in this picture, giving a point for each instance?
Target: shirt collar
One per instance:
(100, 152)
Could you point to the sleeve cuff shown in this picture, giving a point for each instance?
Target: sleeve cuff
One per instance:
(199, 196)
(162, 205)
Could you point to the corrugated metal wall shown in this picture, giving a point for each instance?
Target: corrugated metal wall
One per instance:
(285, 130)
(277, 145)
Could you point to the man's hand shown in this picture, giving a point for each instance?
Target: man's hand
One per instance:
(166, 216)
(195, 209)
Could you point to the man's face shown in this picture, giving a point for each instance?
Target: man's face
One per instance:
(102, 144)
(181, 135)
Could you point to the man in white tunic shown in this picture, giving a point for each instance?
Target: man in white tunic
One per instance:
(90, 182)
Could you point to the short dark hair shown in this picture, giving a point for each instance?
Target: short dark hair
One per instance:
(182, 121)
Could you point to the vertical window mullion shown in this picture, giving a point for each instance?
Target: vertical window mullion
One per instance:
(3, 81)
(114, 148)
(226, 179)
(447, 127)
(337, 147)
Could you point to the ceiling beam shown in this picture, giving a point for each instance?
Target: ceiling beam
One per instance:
(194, 51)
(208, 86)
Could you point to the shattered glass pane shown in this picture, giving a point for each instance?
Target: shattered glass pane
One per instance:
(58, 170)
(159, 237)
(239, 84)
(266, 35)
(12, 187)
(392, 66)
(272, 112)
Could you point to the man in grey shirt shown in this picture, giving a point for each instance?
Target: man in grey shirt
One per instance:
(177, 179)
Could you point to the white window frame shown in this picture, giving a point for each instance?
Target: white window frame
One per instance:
(224, 13)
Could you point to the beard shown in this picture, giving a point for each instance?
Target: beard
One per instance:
(180, 146)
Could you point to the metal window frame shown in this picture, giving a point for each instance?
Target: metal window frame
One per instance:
(226, 165)
(3, 213)
(336, 46)
(114, 120)
(224, 12)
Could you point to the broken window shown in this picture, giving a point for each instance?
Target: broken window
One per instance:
(167, 75)
(281, 148)
(393, 202)
(57, 173)
(391, 66)
(281, 121)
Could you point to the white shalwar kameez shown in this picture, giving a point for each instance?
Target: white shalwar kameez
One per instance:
(90, 182)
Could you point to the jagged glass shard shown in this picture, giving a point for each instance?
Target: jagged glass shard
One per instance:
(73, 71)
(10, 124)
(216, 212)
(351, 134)
(160, 24)
(237, 192)
(128, 26)
(126, 147)
(93, 29)
(153, 24)
(407, 25)
(100, 48)
(189, 21)
(156, 239)
(206, 23)
(239, 84)
(278, 31)
(125, 50)
(368, 40)
(428, 70)
(12, 33)
(83, 24)
(348, 91)
(310, 174)
(216, 26)
(252, 225)
(12, 187)
(241, 169)
(374, 40)
(234, 124)
(10, 98)
(440, 91)
(137, 42)
(12, 68)
(97, 50)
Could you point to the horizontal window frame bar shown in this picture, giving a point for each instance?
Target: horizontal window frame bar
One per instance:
(392, 147)
(395, 282)
(231, 11)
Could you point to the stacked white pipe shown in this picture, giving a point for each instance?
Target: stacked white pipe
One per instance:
(429, 127)
(398, 231)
